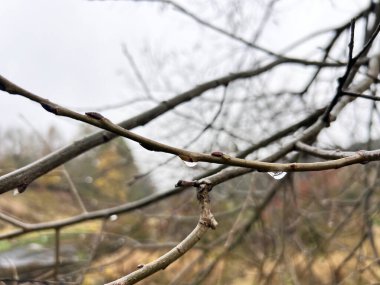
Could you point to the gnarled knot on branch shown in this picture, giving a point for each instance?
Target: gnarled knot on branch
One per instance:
(206, 218)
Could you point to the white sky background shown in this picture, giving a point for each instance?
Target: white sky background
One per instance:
(70, 51)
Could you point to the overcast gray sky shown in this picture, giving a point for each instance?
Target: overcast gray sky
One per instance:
(70, 51)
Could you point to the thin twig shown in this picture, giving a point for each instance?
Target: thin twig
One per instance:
(343, 81)
(57, 252)
(357, 95)
(136, 70)
(95, 246)
(72, 187)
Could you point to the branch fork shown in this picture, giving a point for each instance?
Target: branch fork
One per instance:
(207, 218)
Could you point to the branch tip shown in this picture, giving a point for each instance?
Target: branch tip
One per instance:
(184, 183)
(148, 147)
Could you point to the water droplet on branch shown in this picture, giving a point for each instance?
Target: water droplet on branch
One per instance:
(113, 218)
(88, 179)
(188, 161)
(277, 175)
(20, 189)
